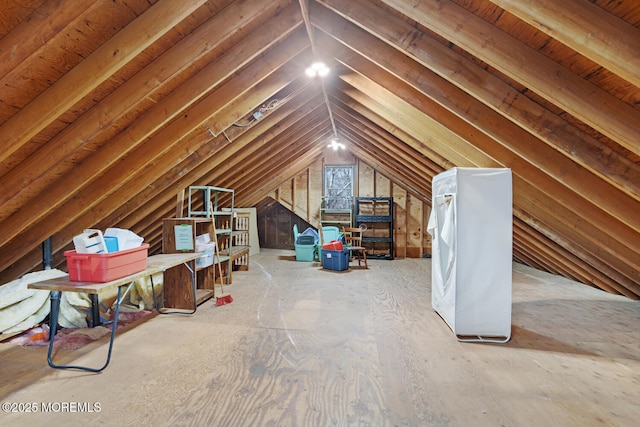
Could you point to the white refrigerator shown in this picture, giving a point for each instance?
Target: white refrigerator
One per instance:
(471, 271)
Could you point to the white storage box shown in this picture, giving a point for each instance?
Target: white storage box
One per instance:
(208, 249)
(203, 238)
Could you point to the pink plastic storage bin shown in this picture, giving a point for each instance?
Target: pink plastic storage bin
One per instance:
(105, 267)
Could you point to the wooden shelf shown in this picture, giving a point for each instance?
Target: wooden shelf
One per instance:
(236, 252)
(240, 248)
(178, 292)
(213, 214)
(203, 295)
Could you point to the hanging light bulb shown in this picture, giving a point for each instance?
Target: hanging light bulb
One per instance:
(323, 70)
(335, 145)
(317, 69)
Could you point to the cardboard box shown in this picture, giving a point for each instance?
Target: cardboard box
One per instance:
(105, 267)
(335, 260)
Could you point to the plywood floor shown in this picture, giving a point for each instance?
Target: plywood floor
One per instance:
(301, 346)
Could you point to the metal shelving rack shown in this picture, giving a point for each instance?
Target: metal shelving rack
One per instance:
(376, 213)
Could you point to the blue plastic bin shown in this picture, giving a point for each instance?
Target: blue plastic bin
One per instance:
(305, 244)
(305, 253)
(335, 260)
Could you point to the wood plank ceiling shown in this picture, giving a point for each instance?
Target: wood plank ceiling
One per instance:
(109, 107)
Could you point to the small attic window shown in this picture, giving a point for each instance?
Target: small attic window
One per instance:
(338, 187)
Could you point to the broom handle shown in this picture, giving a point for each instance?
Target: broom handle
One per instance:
(217, 250)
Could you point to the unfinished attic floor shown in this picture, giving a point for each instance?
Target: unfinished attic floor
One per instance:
(302, 346)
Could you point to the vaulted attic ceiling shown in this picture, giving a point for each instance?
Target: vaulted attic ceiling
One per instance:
(109, 108)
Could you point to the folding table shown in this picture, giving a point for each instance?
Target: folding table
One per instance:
(155, 264)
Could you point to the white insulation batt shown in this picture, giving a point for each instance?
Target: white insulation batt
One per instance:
(140, 296)
(22, 308)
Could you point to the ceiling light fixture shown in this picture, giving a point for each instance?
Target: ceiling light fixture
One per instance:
(317, 69)
(335, 145)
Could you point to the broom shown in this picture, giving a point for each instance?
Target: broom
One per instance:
(223, 298)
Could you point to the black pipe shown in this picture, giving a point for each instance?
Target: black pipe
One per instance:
(47, 254)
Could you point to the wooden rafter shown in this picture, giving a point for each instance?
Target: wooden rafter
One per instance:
(602, 37)
(304, 7)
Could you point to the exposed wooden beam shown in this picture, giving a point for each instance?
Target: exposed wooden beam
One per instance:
(210, 161)
(577, 228)
(258, 161)
(297, 164)
(572, 176)
(50, 19)
(587, 102)
(88, 74)
(304, 7)
(587, 29)
(170, 108)
(212, 37)
(275, 130)
(484, 86)
(421, 126)
(394, 158)
(364, 151)
(139, 160)
(348, 102)
(237, 163)
(139, 179)
(247, 161)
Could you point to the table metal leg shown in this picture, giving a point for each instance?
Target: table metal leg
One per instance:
(55, 309)
(54, 297)
(153, 293)
(95, 310)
